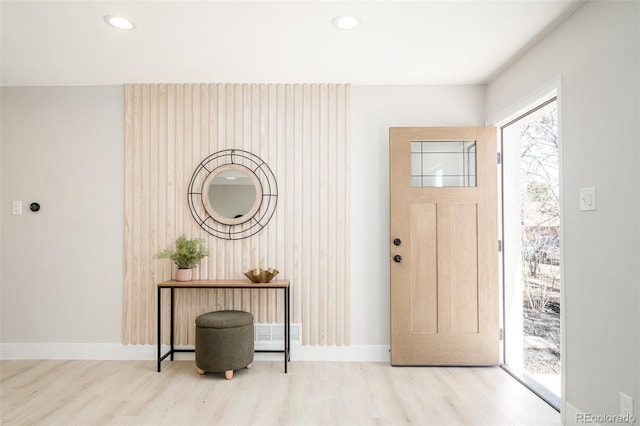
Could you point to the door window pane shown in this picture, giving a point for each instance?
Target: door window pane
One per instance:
(443, 163)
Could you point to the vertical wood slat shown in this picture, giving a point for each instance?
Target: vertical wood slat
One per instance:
(331, 222)
(315, 204)
(344, 266)
(127, 321)
(323, 319)
(170, 185)
(204, 150)
(162, 188)
(136, 220)
(153, 195)
(306, 274)
(302, 133)
(297, 190)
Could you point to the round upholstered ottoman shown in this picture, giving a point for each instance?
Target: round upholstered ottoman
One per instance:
(224, 342)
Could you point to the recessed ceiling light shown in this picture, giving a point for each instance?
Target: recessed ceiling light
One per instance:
(120, 22)
(345, 22)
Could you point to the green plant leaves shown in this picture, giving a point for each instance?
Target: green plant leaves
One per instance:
(187, 254)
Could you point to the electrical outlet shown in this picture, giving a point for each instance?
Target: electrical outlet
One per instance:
(626, 404)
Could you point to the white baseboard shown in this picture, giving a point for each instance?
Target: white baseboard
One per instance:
(118, 351)
(570, 415)
(97, 351)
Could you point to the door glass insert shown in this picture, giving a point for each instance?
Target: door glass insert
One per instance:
(443, 163)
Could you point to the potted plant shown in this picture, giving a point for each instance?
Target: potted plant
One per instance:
(187, 255)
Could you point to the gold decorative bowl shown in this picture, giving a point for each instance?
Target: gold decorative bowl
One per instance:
(259, 275)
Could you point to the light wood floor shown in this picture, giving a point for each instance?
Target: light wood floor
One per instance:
(55, 392)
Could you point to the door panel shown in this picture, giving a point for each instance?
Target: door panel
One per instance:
(458, 266)
(424, 297)
(444, 291)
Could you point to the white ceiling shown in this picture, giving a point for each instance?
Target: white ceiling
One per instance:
(398, 42)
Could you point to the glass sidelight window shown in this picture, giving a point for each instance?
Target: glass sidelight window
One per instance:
(443, 163)
(531, 257)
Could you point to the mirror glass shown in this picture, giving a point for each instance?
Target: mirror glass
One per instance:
(233, 194)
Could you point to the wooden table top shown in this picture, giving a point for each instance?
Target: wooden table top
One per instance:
(238, 283)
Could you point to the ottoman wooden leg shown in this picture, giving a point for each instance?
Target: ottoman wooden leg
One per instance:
(200, 371)
(249, 366)
(228, 374)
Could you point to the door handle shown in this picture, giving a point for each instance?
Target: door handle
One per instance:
(397, 258)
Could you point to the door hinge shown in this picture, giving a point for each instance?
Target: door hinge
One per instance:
(501, 334)
(499, 246)
(499, 158)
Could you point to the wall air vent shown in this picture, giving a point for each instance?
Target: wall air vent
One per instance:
(271, 335)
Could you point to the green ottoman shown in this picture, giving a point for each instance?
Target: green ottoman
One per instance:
(224, 342)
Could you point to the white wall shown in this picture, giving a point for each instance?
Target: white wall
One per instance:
(62, 268)
(597, 53)
(374, 110)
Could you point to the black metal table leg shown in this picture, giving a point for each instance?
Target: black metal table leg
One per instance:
(172, 326)
(286, 328)
(159, 328)
(288, 323)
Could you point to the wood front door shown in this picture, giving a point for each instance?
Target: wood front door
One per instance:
(444, 246)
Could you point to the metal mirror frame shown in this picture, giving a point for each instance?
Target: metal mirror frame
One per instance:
(266, 194)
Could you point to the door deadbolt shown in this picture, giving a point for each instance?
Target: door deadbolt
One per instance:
(397, 242)
(397, 258)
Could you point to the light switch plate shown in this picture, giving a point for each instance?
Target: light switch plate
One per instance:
(16, 208)
(588, 198)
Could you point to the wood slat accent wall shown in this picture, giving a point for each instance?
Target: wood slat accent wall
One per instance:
(302, 132)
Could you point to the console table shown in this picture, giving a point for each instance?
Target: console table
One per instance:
(220, 284)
